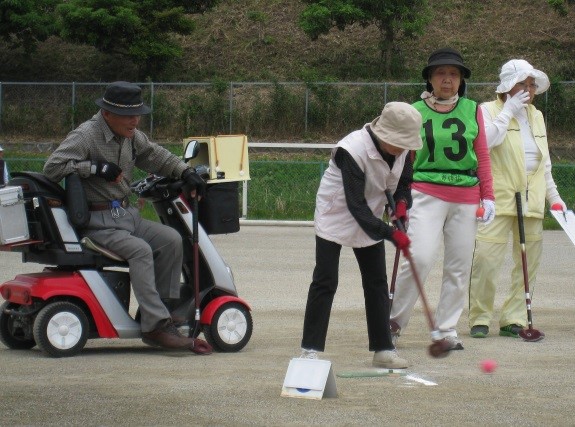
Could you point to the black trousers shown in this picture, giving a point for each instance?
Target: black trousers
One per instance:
(371, 261)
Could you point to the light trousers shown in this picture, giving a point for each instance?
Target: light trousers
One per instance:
(490, 247)
(432, 222)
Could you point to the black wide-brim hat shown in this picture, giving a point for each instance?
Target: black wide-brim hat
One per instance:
(123, 99)
(445, 56)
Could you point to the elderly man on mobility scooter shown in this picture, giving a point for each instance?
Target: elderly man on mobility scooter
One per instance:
(103, 151)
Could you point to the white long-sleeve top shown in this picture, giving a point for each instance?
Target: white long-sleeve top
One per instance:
(496, 131)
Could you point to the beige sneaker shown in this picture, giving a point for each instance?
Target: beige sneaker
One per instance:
(389, 359)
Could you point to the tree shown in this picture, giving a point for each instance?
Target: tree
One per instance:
(23, 23)
(143, 31)
(394, 19)
(561, 6)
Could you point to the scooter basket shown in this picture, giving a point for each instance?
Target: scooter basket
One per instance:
(219, 211)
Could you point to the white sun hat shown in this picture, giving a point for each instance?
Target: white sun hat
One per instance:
(517, 70)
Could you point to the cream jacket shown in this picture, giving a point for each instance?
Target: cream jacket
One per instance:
(333, 221)
(508, 164)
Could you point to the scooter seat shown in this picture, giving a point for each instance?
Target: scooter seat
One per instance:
(90, 244)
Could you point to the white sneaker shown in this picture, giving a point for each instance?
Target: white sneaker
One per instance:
(308, 354)
(389, 359)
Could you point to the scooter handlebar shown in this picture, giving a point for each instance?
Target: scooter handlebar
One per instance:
(157, 187)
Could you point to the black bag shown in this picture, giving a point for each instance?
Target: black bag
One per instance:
(76, 202)
(219, 211)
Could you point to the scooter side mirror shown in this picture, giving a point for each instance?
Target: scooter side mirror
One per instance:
(192, 150)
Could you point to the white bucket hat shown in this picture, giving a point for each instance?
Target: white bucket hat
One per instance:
(517, 70)
(399, 125)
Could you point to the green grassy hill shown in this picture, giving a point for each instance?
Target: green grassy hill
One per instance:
(488, 33)
(253, 40)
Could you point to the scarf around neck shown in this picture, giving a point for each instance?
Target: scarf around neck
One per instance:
(435, 100)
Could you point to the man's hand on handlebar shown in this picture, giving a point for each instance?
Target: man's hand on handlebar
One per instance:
(195, 181)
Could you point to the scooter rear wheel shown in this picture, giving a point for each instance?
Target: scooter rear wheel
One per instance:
(230, 329)
(15, 331)
(61, 329)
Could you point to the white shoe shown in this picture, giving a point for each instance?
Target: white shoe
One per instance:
(308, 354)
(389, 359)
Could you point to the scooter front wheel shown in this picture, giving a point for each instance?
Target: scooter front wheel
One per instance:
(15, 330)
(61, 329)
(230, 329)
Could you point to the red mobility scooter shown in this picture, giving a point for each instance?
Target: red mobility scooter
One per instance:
(84, 290)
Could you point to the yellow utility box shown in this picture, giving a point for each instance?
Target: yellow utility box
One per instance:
(225, 155)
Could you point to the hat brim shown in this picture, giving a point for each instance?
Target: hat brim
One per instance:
(541, 80)
(412, 142)
(123, 111)
(464, 70)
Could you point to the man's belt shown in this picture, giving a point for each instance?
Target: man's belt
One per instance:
(104, 206)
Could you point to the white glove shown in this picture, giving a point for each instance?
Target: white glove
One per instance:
(557, 201)
(489, 214)
(516, 103)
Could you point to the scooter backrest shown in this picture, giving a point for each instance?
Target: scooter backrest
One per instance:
(48, 194)
(49, 223)
(37, 184)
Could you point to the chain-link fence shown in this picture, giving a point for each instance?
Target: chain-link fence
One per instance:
(285, 190)
(265, 111)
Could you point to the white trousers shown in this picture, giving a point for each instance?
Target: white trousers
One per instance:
(431, 222)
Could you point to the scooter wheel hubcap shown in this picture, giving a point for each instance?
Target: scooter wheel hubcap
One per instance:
(64, 330)
(232, 326)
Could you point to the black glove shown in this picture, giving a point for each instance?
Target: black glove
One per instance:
(194, 181)
(107, 170)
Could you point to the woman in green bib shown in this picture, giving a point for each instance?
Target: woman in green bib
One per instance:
(451, 178)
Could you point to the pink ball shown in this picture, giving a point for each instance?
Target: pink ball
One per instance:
(488, 366)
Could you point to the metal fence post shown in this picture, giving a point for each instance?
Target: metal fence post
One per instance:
(73, 105)
(231, 106)
(306, 108)
(0, 107)
(152, 107)
(245, 199)
(384, 93)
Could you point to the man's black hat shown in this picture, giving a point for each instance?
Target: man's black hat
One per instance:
(123, 99)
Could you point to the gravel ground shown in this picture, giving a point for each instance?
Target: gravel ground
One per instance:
(124, 382)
